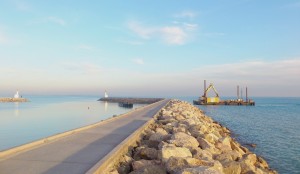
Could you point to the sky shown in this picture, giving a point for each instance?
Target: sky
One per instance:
(149, 48)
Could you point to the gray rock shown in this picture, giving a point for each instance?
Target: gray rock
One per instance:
(199, 170)
(143, 163)
(168, 152)
(184, 140)
(176, 164)
(232, 168)
(152, 169)
(146, 153)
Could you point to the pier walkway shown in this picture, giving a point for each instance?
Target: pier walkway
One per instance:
(78, 152)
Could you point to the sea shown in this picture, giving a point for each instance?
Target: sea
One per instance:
(273, 124)
(44, 116)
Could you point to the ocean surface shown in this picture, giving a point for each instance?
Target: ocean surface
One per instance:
(43, 116)
(273, 124)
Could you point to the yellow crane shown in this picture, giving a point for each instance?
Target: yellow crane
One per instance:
(210, 100)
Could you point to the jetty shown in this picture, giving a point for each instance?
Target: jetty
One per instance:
(130, 100)
(16, 98)
(205, 100)
(8, 99)
(82, 150)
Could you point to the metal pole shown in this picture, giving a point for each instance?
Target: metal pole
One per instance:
(204, 88)
(246, 94)
(238, 92)
(242, 93)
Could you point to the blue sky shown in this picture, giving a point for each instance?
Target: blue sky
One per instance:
(149, 48)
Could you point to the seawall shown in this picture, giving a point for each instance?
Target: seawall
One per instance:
(131, 100)
(7, 99)
(182, 140)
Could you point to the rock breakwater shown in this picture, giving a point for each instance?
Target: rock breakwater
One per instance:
(185, 141)
(13, 99)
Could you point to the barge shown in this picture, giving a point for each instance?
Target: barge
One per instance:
(205, 100)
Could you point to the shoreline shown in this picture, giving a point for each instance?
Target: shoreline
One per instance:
(183, 140)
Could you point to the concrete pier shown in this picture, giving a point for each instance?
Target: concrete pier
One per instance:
(77, 152)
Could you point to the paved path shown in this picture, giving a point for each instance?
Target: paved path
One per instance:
(79, 152)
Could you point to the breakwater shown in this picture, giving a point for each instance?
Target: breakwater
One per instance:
(131, 100)
(183, 140)
(7, 99)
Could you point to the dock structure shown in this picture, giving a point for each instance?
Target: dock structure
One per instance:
(8, 99)
(82, 150)
(130, 100)
(205, 100)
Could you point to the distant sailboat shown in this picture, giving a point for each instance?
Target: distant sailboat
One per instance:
(105, 94)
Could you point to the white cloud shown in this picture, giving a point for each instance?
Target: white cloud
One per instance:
(186, 14)
(174, 35)
(190, 26)
(56, 20)
(82, 67)
(263, 78)
(144, 32)
(169, 34)
(138, 61)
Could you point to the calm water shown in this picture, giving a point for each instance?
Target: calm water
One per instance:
(44, 116)
(273, 124)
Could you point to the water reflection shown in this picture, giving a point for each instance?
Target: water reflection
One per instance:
(16, 108)
(105, 106)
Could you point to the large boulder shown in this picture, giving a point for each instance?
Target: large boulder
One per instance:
(143, 163)
(226, 141)
(176, 164)
(204, 144)
(248, 162)
(199, 170)
(183, 140)
(201, 154)
(158, 137)
(146, 153)
(210, 137)
(151, 169)
(232, 167)
(167, 152)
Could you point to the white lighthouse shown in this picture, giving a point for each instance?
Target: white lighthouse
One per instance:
(17, 95)
(105, 94)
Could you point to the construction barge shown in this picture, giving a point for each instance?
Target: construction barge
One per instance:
(205, 100)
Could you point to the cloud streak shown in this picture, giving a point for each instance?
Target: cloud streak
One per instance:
(186, 14)
(264, 78)
(169, 34)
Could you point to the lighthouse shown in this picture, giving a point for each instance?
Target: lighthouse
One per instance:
(17, 95)
(105, 94)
